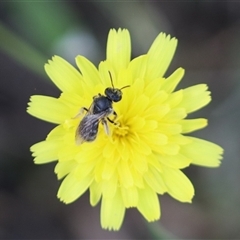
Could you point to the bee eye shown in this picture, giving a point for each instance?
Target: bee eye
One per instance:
(117, 97)
(113, 94)
(107, 91)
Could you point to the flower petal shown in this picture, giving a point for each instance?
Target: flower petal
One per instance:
(202, 152)
(175, 161)
(129, 196)
(190, 125)
(160, 56)
(64, 168)
(137, 178)
(174, 99)
(169, 128)
(125, 176)
(89, 71)
(119, 49)
(172, 81)
(137, 67)
(64, 75)
(45, 151)
(48, 108)
(107, 73)
(72, 188)
(174, 115)
(56, 133)
(139, 162)
(83, 170)
(195, 97)
(109, 187)
(179, 186)
(148, 204)
(112, 212)
(154, 180)
(95, 193)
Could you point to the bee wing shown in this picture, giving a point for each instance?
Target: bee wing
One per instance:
(88, 111)
(88, 128)
(105, 126)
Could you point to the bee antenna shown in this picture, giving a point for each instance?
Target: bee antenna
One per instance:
(112, 82)
(111, 78)
(124, 87)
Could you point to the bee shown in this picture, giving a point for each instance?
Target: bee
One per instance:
(99, 111)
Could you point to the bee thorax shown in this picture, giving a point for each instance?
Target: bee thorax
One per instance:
(101, 104)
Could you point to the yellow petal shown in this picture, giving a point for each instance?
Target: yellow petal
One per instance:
(112, 212)
(107, 73)
(86, 154)
(109, 187)
(160, 56)
(139, 105)
(158, 97)
(108, 170)
(175, 98)
(148, 204)
(95, 193)
(172, 81)
(125, 176)
(48, 108)
(174, 115)
(157, 112)
(195, 97)
(119, 49)
(202, 152)
(190, 125)
(45, 151)
(98, 171)
(63, 168)
(68, 151)
(89, 71)
(170, 148)
(154, 180)
(57, 133)
(175, 161)
(64, 75)
(179, 139)
(179, 186)
(155, 139)
(137, 67)
(72, 188)
(130, 196)
(83, 170)
(139, 162)
(137, 178)
(74, 102)
(153, 160)
(169, 128)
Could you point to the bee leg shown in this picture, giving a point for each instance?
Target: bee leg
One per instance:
(81, 111)
(105, 126)
(114, 118)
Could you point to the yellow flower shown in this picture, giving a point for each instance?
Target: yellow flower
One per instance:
(144, 153)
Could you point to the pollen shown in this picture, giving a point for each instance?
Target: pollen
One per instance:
(121, 131)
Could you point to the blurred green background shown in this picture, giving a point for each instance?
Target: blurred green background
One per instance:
(31, 32)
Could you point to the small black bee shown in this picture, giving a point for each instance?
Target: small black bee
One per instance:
(99, 111)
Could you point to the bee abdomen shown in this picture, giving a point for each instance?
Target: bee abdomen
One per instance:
(87, 131)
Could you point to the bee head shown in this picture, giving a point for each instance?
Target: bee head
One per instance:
(113, 94)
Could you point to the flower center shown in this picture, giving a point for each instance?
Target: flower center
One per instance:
(121, 130)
